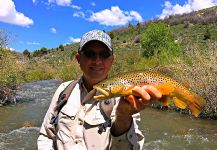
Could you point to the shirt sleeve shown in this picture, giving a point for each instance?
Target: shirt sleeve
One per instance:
(132, 139)
(47, 132)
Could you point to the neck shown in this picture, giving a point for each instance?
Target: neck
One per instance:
(88, 85)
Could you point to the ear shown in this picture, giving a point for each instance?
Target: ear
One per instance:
(78, 57)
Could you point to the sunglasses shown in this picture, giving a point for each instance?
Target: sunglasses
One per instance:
(92, 55)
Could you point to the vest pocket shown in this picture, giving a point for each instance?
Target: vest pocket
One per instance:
(66, 124)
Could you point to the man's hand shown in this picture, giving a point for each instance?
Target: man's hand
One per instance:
(132, 104)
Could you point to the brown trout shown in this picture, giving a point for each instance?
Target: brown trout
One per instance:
(171, 90)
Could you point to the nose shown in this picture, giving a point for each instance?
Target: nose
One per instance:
(97, 59)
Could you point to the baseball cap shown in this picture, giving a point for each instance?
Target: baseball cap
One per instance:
(96, 35)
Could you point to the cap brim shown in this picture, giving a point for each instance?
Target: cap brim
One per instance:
(109, 48)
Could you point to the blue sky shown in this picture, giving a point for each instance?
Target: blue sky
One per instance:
(48, 23)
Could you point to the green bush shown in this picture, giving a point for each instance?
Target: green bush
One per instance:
(9, 67)
(157, 40)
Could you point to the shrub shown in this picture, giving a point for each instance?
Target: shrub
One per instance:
(158, 40)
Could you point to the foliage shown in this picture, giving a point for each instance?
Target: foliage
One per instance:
(207, 35)
(61, 47)
(26, 53)
(41, 52)
(9, 67)
(158, 40)
(68, 70)
(199, 70)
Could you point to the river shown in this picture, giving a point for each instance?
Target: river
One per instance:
(163, 130)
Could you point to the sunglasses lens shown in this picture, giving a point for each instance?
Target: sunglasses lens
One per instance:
(104, 55)
(93, 55)
(89, 54)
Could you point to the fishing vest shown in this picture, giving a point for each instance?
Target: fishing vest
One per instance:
(63, 98)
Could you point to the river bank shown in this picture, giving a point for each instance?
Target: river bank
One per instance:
(7, 94)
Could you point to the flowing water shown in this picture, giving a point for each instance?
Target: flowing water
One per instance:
(163, 130)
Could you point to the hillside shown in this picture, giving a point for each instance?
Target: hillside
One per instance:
(196, 27)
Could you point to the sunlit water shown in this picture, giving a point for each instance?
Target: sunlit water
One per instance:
(163, 130)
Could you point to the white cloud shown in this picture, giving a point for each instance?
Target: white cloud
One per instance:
(64, 3)
(61, 2)
(32, 43)
(93, 4)
(76, 7)
(74, 40)
(8, 14)
(33, 1)
(79, 14)
(53, 30)
(115, 16)
(189, 6)
(136, 15)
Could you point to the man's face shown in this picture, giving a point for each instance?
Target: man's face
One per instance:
(95, 61)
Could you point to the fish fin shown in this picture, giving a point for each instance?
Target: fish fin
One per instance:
(128, 90)
(164, 100)
(197, 105)
(179, 103)
(99, 97)
(165, 89)
(194, 102)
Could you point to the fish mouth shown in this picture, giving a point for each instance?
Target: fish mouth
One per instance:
(103, 92)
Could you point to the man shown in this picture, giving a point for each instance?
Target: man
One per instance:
(79, 129)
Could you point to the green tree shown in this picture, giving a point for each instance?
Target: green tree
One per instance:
(43, 51)
(26, 53)
(158, 39)
(36, 53)
(61, 47)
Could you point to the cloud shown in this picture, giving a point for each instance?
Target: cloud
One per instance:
(61, 2)
(189, 6)
(93, 4)
(64, 3)
(8, 14)
(76, 7)
(32, 43)
(74, 40)
(53, 30)
(79, 14)
(115, 17)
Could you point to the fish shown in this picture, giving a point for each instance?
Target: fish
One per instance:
(172, 91)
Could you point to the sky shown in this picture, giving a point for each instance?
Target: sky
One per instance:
(34, 24)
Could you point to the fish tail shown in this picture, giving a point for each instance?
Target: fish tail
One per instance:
(187, 99)
(197, 105)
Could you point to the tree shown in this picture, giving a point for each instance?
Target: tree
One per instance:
(158, 39)
(43, 51)
(61, 47)
(5, 37)
(26, 53)
(207, 35)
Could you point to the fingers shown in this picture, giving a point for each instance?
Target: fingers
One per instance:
(136, 104)
(140, 98)
(154, 92)
(147, 92)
